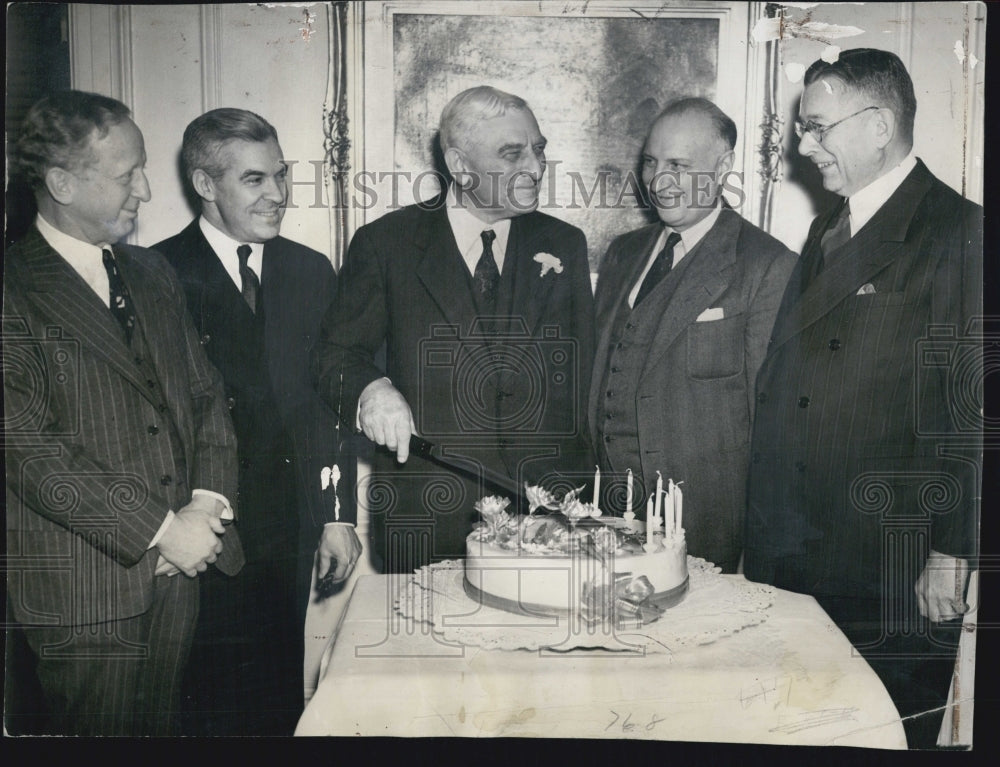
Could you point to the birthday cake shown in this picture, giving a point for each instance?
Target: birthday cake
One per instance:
(575, 561)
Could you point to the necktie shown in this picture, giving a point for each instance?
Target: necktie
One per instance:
(661, 266)
(837, 234)
(251, 285)
(487, 275)
(121, 302)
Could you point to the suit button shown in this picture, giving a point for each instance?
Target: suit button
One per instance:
(610, 393)
(800, 467)
(150, 383)
(162, 407)
(608, 438)
(619, 345)
(153, 430)
(834, 344)
(762, 398)
(138, 360)
(803, 402)
(609, 416)
(230, 402)
(166, 479)
(204, 339)
(629, 326)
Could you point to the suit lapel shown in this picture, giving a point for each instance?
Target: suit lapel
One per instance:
(72, 305)
(872, 249)
(440, 267)
(704, 279)
(531, 290)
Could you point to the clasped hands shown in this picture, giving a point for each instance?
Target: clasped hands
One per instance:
(190, 543)
(940, 587)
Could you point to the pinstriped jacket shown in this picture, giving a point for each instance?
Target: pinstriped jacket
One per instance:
(90, 471)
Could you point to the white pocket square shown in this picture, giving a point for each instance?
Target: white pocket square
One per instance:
(715, 313)
(866, 289)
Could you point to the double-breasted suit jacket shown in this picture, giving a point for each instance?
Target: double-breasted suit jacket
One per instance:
(691, 381)
(507, 394)
(867, 439)
(96, 450)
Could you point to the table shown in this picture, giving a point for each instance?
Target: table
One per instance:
(792, 680)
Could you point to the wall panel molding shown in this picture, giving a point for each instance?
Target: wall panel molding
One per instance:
(101, 50)
(210, 26)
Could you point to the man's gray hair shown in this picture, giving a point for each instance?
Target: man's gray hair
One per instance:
(205, 137)
(471, 107)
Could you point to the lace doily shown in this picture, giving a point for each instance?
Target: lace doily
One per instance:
(715, 606)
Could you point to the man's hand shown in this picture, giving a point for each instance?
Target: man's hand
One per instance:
(385, 418)
(338, 547)
(940, 587)
(163, 567)
(189, 543)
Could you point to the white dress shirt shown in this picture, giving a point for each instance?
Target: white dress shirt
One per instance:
(690, 237)
(467, 230)
(225, 248)
(866, 203)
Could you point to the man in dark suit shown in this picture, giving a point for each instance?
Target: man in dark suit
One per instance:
(685, 308)
(120, 452)
(257, 300)
(485, 308)
(867, 443)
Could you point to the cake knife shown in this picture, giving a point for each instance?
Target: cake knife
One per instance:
(429, 451)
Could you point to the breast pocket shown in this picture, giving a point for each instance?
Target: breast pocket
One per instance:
(715, 348)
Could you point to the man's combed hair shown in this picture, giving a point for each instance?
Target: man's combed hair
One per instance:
(471, 107)
(206, 136)
(723, 124)
(879, 75)
(57, 131)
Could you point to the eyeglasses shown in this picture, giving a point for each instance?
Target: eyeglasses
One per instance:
(819, 131)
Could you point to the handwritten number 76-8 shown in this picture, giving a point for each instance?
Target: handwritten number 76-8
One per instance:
(628, 725)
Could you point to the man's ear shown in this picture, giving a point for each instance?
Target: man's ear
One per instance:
(725, 162)
(457, 166)
(884, 124)
(61, 185)
(203, 185)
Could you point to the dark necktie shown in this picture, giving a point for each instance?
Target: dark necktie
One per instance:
(251, 285)
(837, 234)
(121, 302)
(487, 275)
(661, 266)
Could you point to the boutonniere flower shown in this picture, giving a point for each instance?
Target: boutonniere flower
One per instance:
(548, 261)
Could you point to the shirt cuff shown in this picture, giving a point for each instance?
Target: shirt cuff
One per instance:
(227, 511)
(331, 524)
(163, 528)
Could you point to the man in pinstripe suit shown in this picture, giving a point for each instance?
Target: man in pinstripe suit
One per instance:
(120, 453)
(867, 444)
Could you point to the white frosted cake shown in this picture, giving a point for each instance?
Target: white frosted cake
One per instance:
(574, 560)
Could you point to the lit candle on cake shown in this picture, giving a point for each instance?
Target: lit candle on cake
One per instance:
(668, 504)
(658, 509)
(649, 546)
(628, 491)
(597, 487)
(678, 508)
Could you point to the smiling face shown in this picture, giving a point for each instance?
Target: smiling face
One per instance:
(682, 167)
(851, 155)
(106, 192)
(499, 166)
(247, 201)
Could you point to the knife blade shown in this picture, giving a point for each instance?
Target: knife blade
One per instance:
(435, 453)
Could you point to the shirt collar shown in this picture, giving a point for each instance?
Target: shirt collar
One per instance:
(695, 233)
(866, 203)
(225, 249)
(467, 230)
(67, 246)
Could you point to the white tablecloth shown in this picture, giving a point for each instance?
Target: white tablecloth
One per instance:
(793, 679)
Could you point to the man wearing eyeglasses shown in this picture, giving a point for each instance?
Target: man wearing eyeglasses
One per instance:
(867, 442)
